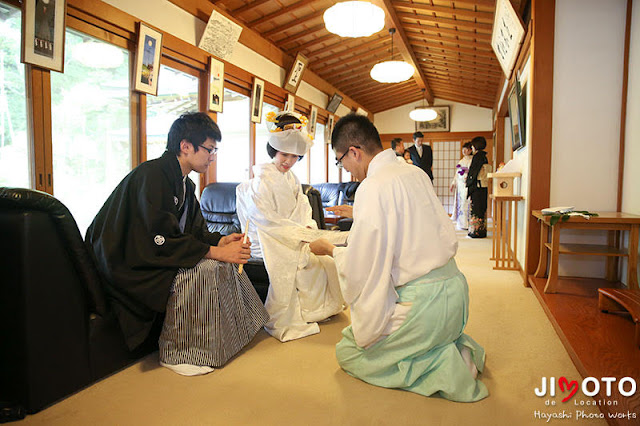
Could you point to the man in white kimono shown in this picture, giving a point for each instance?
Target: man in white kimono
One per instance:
(409, 302)
(303, 287)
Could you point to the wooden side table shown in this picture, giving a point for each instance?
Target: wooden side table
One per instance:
(614, 222)
(504, 253)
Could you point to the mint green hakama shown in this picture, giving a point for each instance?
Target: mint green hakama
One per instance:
(423, 355)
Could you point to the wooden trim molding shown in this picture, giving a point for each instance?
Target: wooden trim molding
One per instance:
(623, 111)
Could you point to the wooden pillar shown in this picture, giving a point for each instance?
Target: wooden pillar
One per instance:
(543, 25)
(39, 121)
(500, 143)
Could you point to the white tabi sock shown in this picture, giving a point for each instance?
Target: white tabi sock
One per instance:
(466, 356)
(188, 369)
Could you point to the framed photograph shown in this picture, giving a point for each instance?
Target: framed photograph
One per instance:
(438, 124)
(148, 60)
(216, 85)
(516, 114)
(334, 103)
(294, 78)
(313, 119)
(290, 104)
(43, 25)
(329, 128)
(256, 100)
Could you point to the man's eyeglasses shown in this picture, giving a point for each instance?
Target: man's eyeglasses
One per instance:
(339, 162)
(213, 150)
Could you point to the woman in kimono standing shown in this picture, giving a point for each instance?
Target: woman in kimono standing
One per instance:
(477, 184)
(460, 213)
(303, 288)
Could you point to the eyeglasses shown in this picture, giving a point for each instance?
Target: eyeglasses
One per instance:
(213, 150)
(339, 162)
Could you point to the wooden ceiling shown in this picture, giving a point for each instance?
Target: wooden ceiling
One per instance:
(448, 41)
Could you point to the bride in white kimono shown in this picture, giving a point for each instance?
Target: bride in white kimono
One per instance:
(303, 287)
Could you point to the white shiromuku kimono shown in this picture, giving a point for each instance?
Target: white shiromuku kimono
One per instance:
(461, 208)
(303, 287)
(408, 300)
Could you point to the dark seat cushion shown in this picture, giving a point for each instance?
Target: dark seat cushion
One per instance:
(218, 205)
(329, 192)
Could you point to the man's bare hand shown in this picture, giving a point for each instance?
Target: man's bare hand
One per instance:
(231, 238)
(321, 247)
(343, 210)
(231, 252)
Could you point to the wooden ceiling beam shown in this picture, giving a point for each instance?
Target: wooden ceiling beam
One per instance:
(482, 53)
(462, 90)
(461, 63)
(446, 21)
(422, 7)
(291, 24)
(348, 61)
(457, 81)
(404, 47)
(437, 39)
(313, 55)
(297, 36)
(447, 56)
(454, 67)
(248, 6)
(385, 104)
(279, 12)
(305, 46)
(351, 68)
(383, 87)
(371, 98)
(467, 76)
(448, 31)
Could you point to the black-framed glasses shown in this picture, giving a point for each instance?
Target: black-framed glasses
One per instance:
(213, 150)
(339, 162)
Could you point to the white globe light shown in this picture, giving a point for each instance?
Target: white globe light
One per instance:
(354, 19)
(392, 71)
(423, 114)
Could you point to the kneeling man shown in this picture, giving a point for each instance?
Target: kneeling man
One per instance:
(409, 302)
(155, 253)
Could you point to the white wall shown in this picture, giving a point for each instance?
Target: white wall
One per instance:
(464, 118)
(587, 87)
(174, 20)
(631, 185)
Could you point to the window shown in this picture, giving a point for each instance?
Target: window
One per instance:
(301, 167)
(317, 156)
(90, 123)
(262, 135)
(334, 172)
(232, 161)
(177, 94)
(14, 148)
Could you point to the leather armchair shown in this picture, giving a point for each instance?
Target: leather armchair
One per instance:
(58, 334)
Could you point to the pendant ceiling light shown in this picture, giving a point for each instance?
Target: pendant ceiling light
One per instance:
(354, 19)
(423, 113)
(392, 71)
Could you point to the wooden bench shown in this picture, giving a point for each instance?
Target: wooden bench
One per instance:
(619, 300)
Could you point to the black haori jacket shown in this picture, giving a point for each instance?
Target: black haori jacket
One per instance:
(137, 244)
(479, 159)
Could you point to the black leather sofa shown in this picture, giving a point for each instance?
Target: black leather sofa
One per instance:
(335, 194)
(218, 205)
(57, 331)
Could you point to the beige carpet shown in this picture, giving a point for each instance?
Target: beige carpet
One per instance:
(300, 383)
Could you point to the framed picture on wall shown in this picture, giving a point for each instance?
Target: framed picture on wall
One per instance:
(290, 104)
(216, 85)
(313, 119)
(43, 29)
(438, 124)
(516, 115)
(256, 100)
(334, 103)
(294, 78)
(148, 60)
(329, 128)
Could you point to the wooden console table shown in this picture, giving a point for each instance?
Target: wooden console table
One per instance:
(614, 222)
(504, 254)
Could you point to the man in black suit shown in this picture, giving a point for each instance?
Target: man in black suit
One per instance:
(421, 155)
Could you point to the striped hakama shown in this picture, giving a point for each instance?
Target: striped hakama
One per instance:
(212, 313)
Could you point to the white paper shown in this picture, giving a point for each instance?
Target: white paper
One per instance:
(220, 36)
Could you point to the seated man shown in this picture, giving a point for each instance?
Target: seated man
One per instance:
(409, 302)
(152, 247)
(303, 288)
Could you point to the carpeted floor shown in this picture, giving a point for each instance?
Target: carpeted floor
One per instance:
(300, 383)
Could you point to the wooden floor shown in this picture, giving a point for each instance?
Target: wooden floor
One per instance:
(600, 344)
